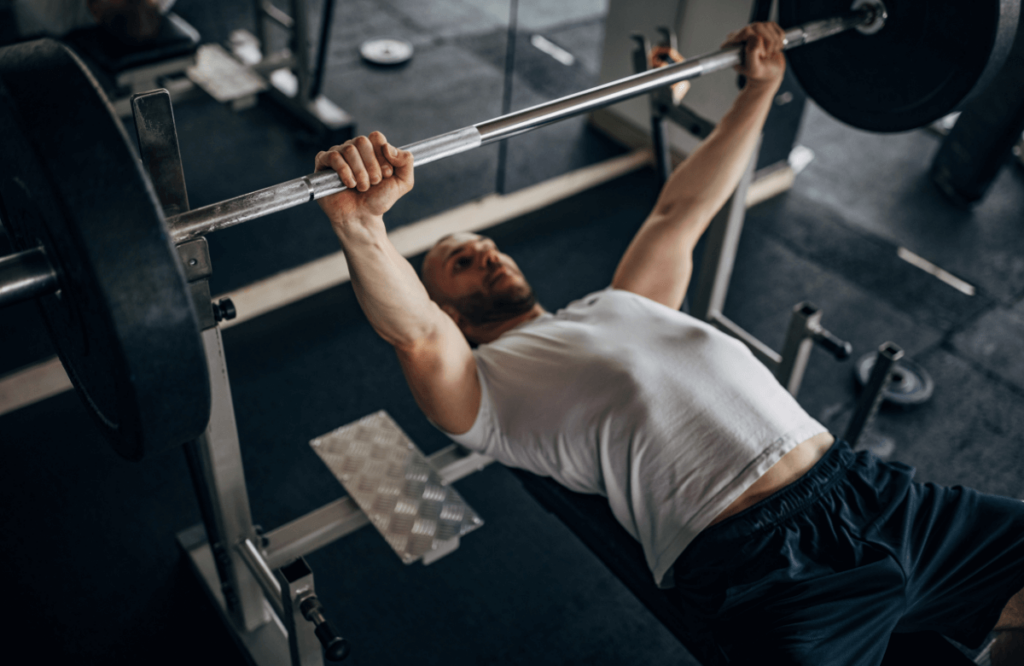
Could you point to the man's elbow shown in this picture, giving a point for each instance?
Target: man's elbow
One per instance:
(424, 337)
(689, 211)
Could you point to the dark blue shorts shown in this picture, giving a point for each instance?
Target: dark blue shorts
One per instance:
(825, 570)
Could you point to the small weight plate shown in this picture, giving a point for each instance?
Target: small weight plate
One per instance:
(920, 66)
(386, 51)
(911, 385)
(123, 322)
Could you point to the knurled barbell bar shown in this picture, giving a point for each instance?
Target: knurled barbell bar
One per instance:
(97, 253)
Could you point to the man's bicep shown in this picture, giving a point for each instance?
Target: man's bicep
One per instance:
(658, 263)
(441, 372)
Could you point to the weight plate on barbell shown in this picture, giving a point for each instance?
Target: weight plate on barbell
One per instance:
(123, 321)
(920, 66)
(910, 384)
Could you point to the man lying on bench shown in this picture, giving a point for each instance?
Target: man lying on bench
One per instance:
(784, 545)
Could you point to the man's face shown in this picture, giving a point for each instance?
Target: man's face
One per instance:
(467, 272)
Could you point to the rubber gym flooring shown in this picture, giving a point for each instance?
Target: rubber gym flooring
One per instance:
(87, 540)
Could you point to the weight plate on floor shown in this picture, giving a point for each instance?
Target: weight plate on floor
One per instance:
(920, 66)
(123, 321)
(386, 51)
(911, 384)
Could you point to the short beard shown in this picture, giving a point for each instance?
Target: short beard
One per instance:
(480, 309)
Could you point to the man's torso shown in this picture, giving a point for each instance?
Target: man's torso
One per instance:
(670, 419)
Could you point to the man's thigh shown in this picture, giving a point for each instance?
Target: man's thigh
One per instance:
(827, 569)
(964, 553)
(840, 619)
(794, 580)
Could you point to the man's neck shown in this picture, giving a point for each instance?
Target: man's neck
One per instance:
(492, 331)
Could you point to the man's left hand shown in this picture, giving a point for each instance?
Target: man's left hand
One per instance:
(763, 62)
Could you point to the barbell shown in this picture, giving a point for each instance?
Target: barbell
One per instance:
(96, 252)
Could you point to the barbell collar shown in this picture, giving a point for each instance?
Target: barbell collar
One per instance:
(25, 275)
(201, 221)
(873, 14)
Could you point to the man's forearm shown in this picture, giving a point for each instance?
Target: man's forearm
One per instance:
(700, 186)
(388, 289)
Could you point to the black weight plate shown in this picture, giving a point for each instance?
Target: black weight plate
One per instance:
(919, 67)
(123, 321)
(911, 385)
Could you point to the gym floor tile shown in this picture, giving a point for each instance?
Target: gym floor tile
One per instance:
(81, 524)
(831, 238)
(971, 432)
(537, 70)
(583, 40)
(540, 15)
(441, 89)
(359, 20)
(995, 341)
(449, 18)
(879, 183)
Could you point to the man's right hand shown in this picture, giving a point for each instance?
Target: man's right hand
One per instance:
(435, 357)
(376, 174)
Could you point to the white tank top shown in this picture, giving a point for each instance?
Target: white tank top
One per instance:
(618, 395)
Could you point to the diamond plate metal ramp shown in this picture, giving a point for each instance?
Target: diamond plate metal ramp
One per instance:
(397, 488)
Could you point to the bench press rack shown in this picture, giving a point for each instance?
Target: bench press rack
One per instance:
(260, 582)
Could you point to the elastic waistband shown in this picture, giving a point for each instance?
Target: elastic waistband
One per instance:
(788, 501)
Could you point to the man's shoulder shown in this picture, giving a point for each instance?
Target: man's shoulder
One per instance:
(613, 301)
(587, 302)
